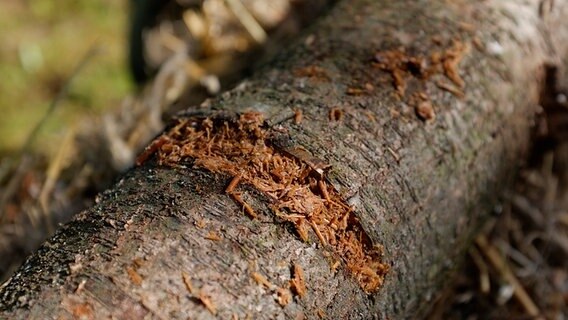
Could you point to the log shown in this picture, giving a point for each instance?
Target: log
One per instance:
(344, 180)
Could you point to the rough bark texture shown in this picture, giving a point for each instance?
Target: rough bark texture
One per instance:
(418, 188)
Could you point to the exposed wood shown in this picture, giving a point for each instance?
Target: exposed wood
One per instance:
(418, 189)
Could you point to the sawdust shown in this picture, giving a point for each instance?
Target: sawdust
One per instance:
(292, 180)
(402, 65)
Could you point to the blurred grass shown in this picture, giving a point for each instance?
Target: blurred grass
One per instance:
(41, 42)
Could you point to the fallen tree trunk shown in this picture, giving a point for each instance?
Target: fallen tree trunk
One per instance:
(375, 146)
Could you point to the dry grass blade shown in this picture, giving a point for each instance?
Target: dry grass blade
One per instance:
(484, 281)
(247, 20)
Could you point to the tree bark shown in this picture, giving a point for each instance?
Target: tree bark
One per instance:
(421, 108)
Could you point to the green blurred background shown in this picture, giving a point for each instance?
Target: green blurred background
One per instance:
(41, 43)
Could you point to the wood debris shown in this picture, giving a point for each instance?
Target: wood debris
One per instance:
(312, 72)
(292, 178)
(134, 276)
(450, 88)
(151, 149)
(283, 296)
(187, 282)
(200, 223)
(246, 207)
(260, 279)
(423, 107)
(298, 116)
(335, 265)
(138, 262)
(233, 184)
(402, 65)
(213, 236)
(207, 302)
(352, 91)
(451, 60)
(298, 284)
(205, 299)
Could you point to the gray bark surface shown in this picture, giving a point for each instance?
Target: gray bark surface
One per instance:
(420, 189)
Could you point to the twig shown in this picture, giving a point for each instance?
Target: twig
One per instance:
(484, 283)
(500, 265)
(247, 20)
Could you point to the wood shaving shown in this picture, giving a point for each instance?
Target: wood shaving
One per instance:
(395, 62)
(248, 209)
(312, 72)
(355, 91)
(334, 266)
(138, 262)
(151, 149)
(423, 107)
(451, 89)
(187, 282)
(292, 178)
(298, 116)
(134, 276)
(206, 301)
(283, 296)
(201, 223)
(452, 58)
(298, 284)
(260, 279)
(213, 236)
(233, 184)
(402, 65)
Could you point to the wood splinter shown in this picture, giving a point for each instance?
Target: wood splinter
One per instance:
(248, 209)
(151, 149)
(233, 184)
(323, 188)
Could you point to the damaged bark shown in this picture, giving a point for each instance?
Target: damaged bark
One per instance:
(374, 146)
